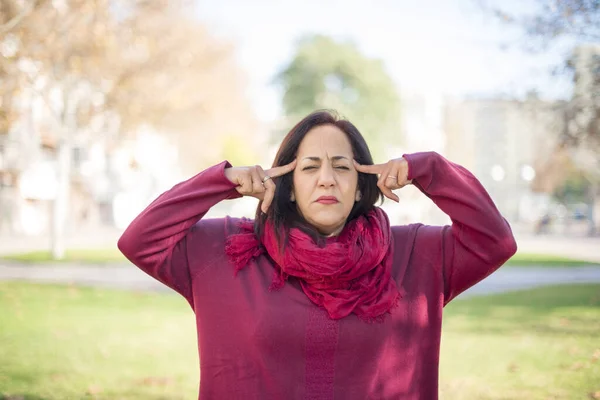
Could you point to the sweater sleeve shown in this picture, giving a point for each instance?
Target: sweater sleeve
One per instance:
(155, 241)
(479, 240)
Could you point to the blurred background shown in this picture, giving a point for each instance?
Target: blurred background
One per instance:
(105, 104)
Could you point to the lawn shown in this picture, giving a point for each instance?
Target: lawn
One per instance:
(113, 255)
(64, 342)
(546, 260)
(535, 344)
(80, 256)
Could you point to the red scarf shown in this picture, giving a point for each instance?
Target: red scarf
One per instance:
(350, 274)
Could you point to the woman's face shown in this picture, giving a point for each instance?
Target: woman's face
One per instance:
(325, 181)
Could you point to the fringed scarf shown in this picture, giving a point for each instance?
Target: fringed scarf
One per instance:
(350, 274)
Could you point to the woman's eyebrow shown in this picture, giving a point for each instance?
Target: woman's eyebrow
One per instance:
(334, 158)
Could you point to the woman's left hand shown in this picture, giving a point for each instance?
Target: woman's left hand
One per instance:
(392, 175)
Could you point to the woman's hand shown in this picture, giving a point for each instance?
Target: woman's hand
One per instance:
(392, 175)
(256, 182)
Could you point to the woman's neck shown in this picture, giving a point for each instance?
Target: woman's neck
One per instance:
(336, 232)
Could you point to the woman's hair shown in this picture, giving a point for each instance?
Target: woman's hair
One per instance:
(283, 212)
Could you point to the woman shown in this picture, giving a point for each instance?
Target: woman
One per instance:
(318, 297)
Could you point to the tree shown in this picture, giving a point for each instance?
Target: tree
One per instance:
(104, 68)
(577, 24)
(329, 74)
(577, 21)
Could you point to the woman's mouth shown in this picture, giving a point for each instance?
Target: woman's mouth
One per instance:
(327, 200)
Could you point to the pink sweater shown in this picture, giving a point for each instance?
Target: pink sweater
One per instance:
(257, 344)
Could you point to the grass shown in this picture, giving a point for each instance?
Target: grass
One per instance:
(535, 344)
(80, 256)
(546, 260)
(65, 342)
(113, 255)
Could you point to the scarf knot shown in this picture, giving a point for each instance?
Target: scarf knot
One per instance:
(352, 273)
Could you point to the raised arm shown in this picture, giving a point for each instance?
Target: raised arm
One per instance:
(155, 240)
(480, 240)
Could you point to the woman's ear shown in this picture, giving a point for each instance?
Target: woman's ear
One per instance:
(358, 195)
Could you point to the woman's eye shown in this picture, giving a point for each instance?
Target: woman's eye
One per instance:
(336, 167)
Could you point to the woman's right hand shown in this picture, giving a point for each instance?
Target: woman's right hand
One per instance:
(256, 182)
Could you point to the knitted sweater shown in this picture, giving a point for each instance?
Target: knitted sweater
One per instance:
(259, 344)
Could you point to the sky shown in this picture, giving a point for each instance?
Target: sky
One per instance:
(447, 47)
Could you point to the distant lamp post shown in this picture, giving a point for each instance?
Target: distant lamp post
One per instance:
(527, 173)
(497, 173)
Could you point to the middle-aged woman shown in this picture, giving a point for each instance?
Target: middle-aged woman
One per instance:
(319, 297)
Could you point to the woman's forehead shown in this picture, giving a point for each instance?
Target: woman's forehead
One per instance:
(325, 141)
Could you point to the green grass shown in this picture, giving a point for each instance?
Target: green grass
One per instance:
(83, 256)
(65, 342)
(113, 255)
(546, 260)
(536, 344)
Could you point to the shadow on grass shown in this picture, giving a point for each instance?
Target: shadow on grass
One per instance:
(21, 397)
(549, 311)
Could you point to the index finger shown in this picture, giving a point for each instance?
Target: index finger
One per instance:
(281, 170)
(369, 169)
(269, 195)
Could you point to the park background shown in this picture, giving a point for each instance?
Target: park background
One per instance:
(105, 104)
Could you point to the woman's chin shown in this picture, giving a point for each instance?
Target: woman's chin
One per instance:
(328, 226)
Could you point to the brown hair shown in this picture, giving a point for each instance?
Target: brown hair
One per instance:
(283, 212)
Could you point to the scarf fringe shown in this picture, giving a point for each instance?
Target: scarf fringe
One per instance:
(279, 278)
(379, 319)
(241, 249)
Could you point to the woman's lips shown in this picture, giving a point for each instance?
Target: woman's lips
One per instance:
(327, 200)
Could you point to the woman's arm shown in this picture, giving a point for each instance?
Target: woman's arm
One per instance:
(156, 239)
(480, 240)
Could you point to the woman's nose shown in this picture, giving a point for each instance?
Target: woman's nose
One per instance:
(326, 176)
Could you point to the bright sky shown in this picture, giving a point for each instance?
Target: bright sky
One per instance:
(432, 46)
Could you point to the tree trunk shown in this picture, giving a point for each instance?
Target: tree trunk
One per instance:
(60, 204)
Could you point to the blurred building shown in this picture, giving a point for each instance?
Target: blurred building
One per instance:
(503, 142)
(586, 63)
(9, 169)
(421, 129)
(422, 121)
(110, 180)
(585, 107)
